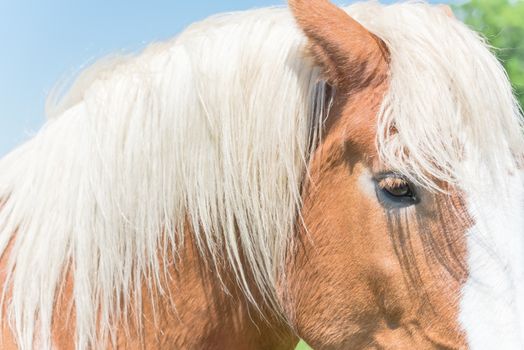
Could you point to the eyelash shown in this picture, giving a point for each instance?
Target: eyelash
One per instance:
(392, 182)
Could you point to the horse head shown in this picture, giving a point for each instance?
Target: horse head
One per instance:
(412, 237)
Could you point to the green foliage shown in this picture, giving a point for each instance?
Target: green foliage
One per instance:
(302, 346)
(502, 23)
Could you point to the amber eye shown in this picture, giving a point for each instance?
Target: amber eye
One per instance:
(396, 187)
(395, 190)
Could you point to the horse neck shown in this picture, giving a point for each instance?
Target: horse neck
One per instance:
(205, 311)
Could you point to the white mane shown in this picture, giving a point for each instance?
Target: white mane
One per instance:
(214, 129)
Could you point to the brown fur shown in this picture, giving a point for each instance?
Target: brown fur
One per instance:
(383, 279)
(331, 31)
(359, 277)
(201, 315)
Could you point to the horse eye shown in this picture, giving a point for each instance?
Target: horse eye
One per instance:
(394, 190)
(398, 189)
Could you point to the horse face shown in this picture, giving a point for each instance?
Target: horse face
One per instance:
(382, 262)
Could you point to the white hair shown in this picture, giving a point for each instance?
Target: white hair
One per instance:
(213, 131)
(449, 101)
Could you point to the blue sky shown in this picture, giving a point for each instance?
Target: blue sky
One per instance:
(44, 41)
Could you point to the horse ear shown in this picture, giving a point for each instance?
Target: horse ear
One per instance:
(348, 52)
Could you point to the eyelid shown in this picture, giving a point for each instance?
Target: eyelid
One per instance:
(385, 175)
(392, 182)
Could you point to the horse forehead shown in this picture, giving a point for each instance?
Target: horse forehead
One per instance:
(353, 121)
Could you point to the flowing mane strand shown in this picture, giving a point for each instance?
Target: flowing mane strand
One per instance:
(450, 106)
(213, 131)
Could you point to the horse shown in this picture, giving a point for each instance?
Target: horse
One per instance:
(349, 176)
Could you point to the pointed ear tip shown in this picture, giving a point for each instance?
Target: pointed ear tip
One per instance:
(294, 3)
(304, 5)
(294, 6)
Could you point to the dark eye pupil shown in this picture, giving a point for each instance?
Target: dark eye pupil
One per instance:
(400, 191)
(395, 191)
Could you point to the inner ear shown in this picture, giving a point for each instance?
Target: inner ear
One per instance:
(327, 63)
